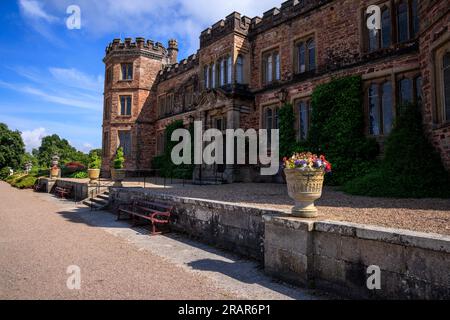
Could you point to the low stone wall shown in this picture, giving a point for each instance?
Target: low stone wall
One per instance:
(235, 228)
(322, 254)
(336, 256)
(81, 189)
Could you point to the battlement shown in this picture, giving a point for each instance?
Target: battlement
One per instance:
(139, 46)
(232, 23)
(178, 68)
(288, 10)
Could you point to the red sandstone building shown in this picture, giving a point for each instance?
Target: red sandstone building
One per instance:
(247, 68)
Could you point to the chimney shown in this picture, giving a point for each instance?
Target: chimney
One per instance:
(172, 51)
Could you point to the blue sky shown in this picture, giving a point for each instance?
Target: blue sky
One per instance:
(51, 78)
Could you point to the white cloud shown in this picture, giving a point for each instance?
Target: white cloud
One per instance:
(32, 139)
(77, 79)
(33, 9)
(157, 19)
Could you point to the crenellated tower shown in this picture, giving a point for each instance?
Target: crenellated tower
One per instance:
(131, 68)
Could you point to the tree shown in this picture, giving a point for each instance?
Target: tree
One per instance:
(54, 145)
(12, 147)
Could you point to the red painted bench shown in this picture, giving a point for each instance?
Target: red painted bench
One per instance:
(156, 213)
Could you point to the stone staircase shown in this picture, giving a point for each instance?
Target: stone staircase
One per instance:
(99, 202)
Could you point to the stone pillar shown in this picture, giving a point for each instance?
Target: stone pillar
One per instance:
(288, 249)
(233, 122)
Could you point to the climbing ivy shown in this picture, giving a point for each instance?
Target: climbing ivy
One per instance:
(337, 129)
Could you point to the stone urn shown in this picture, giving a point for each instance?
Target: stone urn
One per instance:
(118, 175)
(94, 175)
(305, 187)
(54, 172)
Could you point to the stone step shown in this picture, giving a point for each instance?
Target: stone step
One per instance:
(208, 182)
(100, 201)
(103, 196)
(94, 205)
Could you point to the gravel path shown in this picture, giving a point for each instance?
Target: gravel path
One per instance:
(40, 236)
(423, 215)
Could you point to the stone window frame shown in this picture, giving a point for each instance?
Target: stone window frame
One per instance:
(394, 79)
(119, 111)
(106, 144)
(270, 52)
(306, 38)
(170, 104)
(109, 75)
(130, 151)
(160, 142)
(188, 97)
(241, 67)
(438, 52)
(392, 6)
(161, 105)
(107, 108)
(126, 76)
(295, 101)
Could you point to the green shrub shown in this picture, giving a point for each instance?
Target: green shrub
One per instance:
(95, 162)
(119, 159)
(337, 129)
(4, 173)
(24, 182)
(79, 175)
(164, 162)
(411, 168)
(14, 177)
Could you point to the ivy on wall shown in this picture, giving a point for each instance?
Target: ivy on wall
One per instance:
(286, 118)
(337, 129)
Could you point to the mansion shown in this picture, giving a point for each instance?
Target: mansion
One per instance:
(247, 68)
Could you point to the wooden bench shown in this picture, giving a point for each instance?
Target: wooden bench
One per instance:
(154, 212)
(63, 192)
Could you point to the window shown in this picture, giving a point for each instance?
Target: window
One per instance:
(169, 104)
(415, 18)
(127, 71)
(229, 70)
(219, 123)
(402, 22)
(105, 144)
(304, 111)
(213, 76)
(374, 112)
(405, 91)
(160, 142)
(109, 75)
(206, 76)
(305, 55)
(161, 105)
(188, 96)
(125, 142)
(240, 69)
(386, 28)
(271, 67)
(381, 108)
(270, 120)
(125, 105)
(387, 107)
(446, 84)
(399, 23)
(107, 109)
(418, 89)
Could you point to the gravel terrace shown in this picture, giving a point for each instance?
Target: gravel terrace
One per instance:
(422, 215)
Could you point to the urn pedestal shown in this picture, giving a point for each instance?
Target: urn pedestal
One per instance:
(304, 187)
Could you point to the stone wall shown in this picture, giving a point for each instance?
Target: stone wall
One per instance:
(336, 255)
(322, 254)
